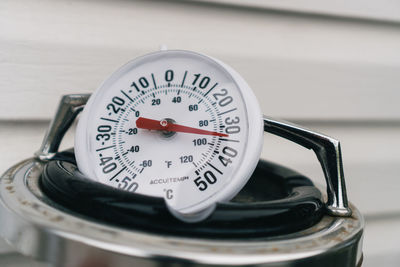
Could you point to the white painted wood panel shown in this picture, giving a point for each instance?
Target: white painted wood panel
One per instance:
(299, 67)
(382, 241)
(386, 10)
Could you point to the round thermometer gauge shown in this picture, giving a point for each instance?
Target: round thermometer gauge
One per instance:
(172, 124)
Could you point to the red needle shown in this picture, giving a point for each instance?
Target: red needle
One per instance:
(163, 125)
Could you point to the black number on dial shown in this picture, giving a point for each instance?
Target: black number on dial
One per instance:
(103, 129)
(209, 178)
(203, 82)
(169, 75)
(128, 185)
(230, 153)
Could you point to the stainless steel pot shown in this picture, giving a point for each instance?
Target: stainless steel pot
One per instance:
(37, 226)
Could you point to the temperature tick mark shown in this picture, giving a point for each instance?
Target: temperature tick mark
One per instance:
(130, 91)
(106, 119)
(117, 180)
(212, 166)
(102, 143)
(154, 81)
(200, 101)
(211, 89)
(124, 153)
(183, 81)
(153, 95)
(178, 92)
(194, 164)
(141, 170)
(143, 92)
(107, 147)
(194, 88)
(118, 173)
(122, 142)
(197, 173)
(100, 155)
(116, 158)
(127, 96)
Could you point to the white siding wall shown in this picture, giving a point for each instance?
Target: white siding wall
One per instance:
(338, 75)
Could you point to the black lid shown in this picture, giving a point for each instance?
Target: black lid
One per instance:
(275, 201)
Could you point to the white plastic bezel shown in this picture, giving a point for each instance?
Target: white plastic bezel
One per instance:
(243, 172)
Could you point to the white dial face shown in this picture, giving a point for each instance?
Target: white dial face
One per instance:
(172, 124)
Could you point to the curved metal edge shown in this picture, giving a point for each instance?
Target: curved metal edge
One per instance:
(68, 109)
(38, 229)
(328, 152)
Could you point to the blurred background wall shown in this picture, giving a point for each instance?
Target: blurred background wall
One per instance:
(331, 66)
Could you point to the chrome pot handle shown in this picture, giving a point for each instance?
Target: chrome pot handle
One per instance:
(326, 148)
(68, 109)
(329, 154)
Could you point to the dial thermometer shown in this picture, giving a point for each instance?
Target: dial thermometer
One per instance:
(173, 124)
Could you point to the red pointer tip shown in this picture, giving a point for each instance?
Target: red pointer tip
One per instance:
(163, 125)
